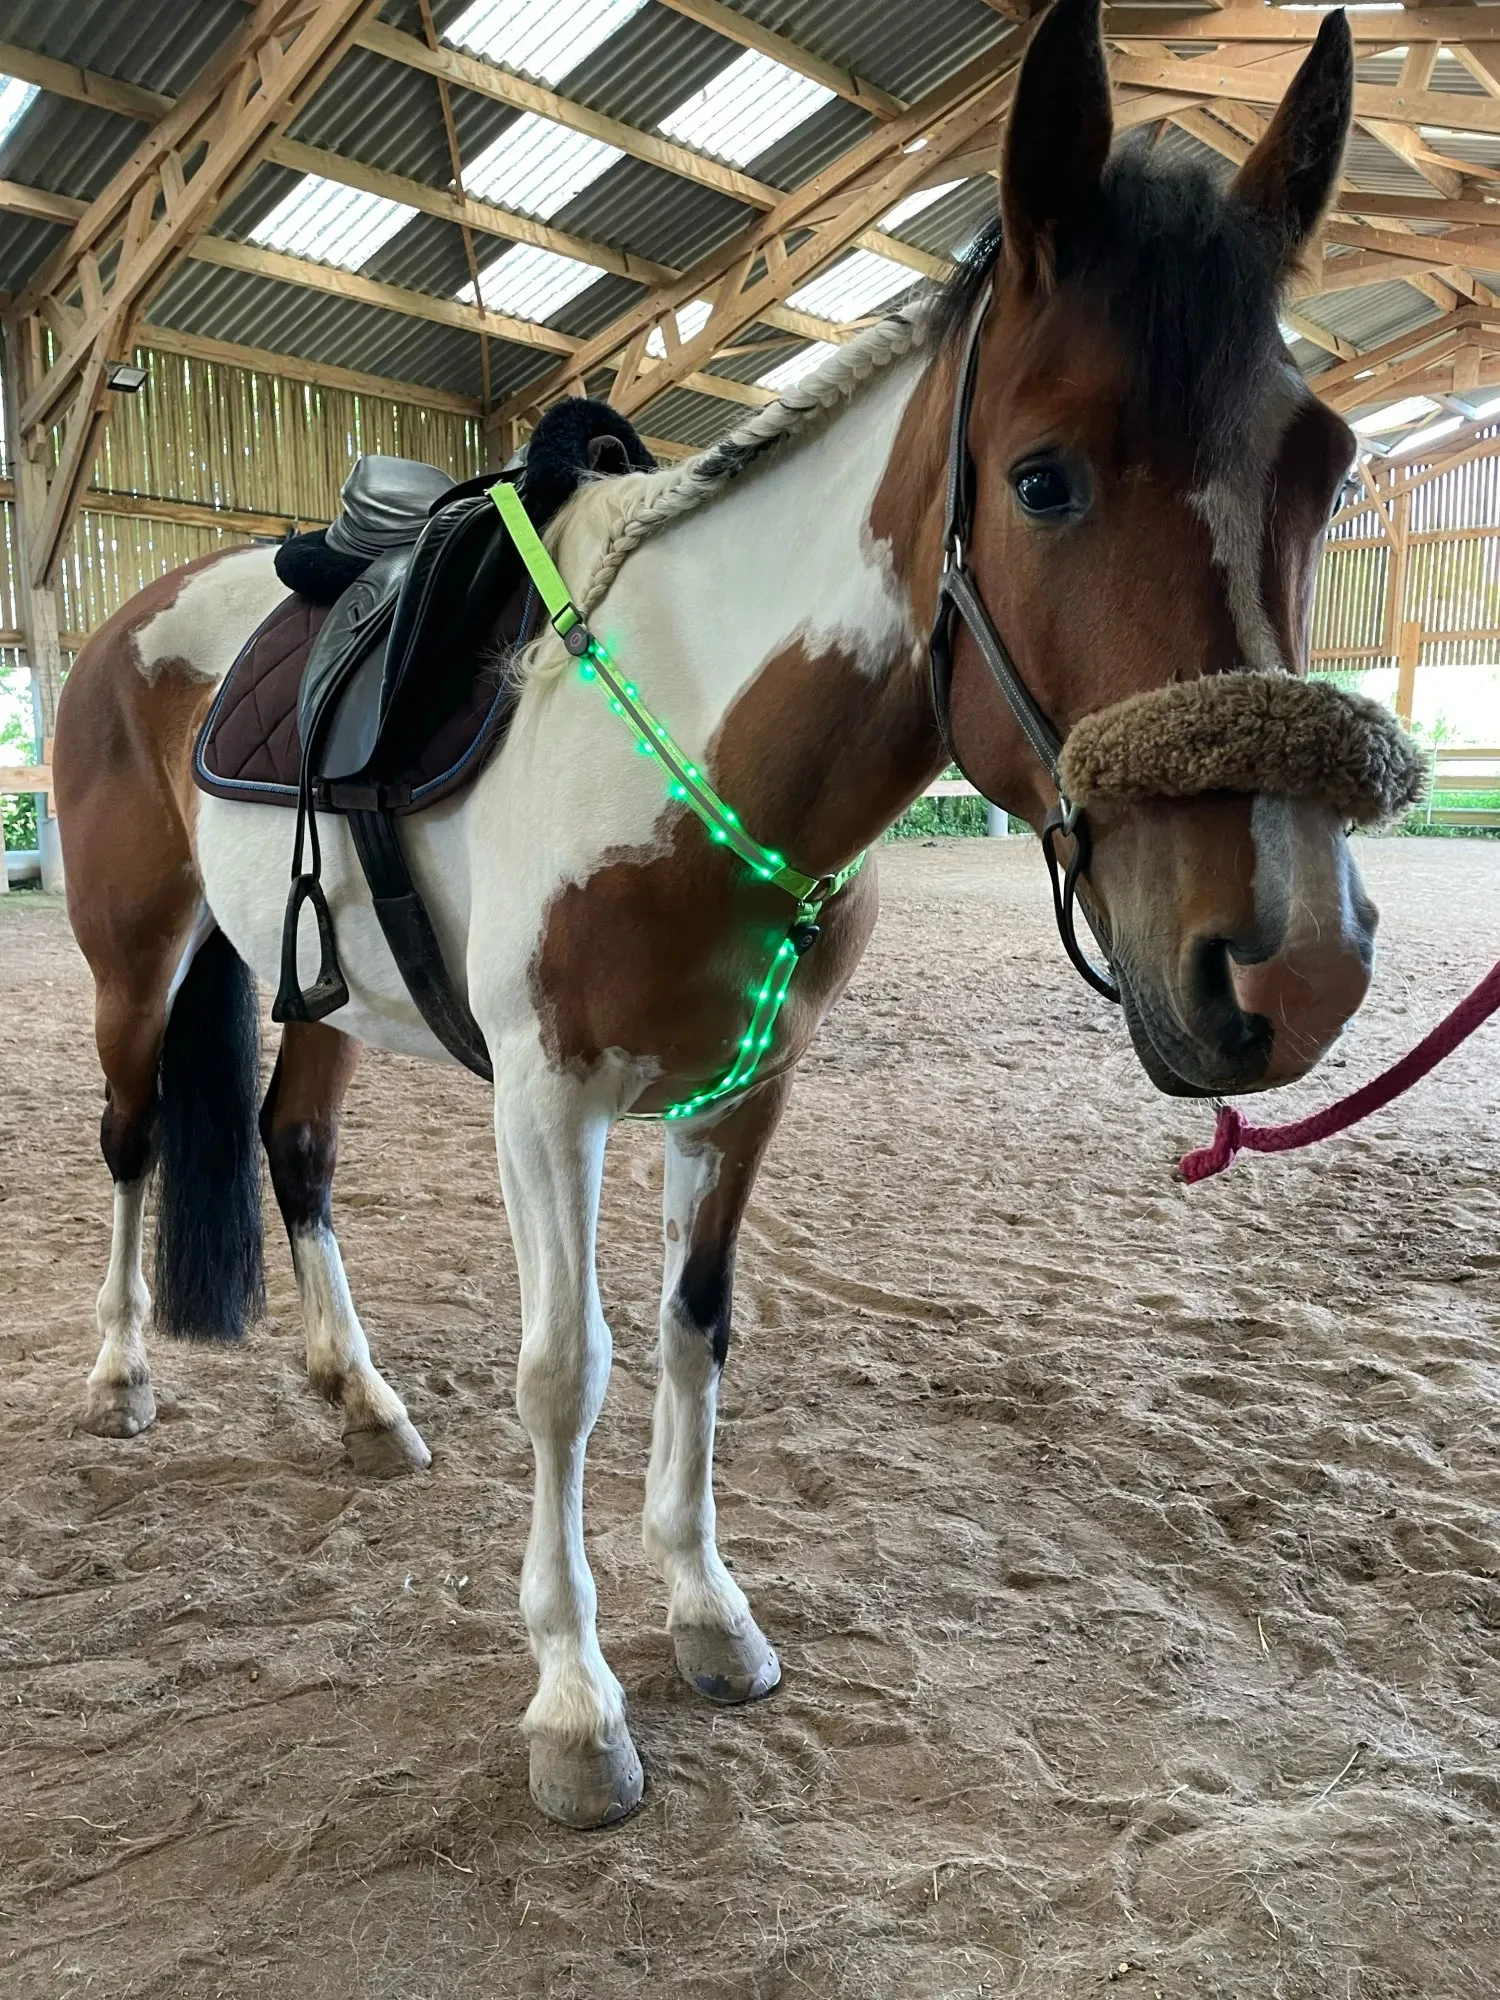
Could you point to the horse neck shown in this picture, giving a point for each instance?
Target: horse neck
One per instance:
(810, 576)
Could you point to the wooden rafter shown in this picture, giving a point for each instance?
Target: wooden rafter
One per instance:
(737, 27)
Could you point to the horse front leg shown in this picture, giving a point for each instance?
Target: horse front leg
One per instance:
(299, 1125)
(550, 1134)
(720, 1649)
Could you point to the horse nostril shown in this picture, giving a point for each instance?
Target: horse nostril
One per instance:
(1241, 1038)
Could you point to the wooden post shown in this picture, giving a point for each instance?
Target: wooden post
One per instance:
(37, 603)
(1395, 579)
(1406, 683)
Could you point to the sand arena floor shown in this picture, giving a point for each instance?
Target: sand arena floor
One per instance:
(1133, 1554)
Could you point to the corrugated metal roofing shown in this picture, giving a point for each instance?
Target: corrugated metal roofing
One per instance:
(388, 116)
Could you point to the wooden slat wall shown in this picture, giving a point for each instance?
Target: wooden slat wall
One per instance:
(1451, 582)
(222, 437)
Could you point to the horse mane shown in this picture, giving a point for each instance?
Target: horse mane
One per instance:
(608, 519)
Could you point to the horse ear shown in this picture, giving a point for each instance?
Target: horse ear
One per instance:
(1288, 180)
(1058, 137)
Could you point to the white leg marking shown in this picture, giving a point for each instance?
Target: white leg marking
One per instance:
(720, 1648)
(378, 1434)
(550, 1139)
(679, 1521)
(120, 1401)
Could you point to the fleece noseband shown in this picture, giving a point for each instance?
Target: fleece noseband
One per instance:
(1240, 732)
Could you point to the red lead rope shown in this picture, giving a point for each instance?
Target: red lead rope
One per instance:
(1232, 1134)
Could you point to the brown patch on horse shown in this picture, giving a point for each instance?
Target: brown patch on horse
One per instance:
(126, 808)
(816, 757)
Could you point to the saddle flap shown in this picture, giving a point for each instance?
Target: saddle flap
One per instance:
(339, 708)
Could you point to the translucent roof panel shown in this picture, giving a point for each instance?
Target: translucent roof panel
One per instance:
(1430, 435)
(915, 203)
(799, 364)
(1395, 416)
(330, 222)
(531, 283)
(691, 319)
(544, 38)
(856, 286)
(537, 166)
(15, 96)
(745, 109)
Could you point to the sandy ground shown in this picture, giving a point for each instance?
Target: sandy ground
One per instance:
(1132, 1552)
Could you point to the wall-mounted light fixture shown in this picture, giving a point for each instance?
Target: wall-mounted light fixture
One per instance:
(125, 376)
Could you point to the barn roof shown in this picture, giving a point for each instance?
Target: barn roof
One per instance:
(628, 140)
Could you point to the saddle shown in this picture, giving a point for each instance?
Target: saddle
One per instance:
(380, 686)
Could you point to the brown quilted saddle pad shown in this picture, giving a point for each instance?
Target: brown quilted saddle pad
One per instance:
(251, 746)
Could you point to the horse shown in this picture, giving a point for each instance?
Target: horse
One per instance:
(1151, 478)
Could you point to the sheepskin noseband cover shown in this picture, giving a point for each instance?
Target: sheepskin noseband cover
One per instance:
(1248, 732)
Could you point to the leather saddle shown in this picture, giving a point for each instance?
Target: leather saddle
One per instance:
(380, 687)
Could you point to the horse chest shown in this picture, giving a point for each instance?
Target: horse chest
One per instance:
(660, 960)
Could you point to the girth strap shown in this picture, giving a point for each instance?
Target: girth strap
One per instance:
(403, 918)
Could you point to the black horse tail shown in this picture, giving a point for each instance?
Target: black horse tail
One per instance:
(210, 1280)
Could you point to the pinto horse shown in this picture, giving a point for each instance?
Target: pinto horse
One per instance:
(1152, 481)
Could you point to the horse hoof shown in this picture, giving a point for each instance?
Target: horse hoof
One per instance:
(580, 1785)
(727, 1666)
(387, 1453)
(118, 1409)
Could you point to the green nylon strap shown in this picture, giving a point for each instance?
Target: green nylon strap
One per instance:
(687, 783)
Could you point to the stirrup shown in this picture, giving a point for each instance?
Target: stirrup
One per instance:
(329, 991)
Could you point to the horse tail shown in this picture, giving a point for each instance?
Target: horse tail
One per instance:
(210, 1281)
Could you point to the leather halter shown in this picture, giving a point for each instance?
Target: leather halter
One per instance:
(959, 597)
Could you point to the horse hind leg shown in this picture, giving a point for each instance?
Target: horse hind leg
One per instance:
(300, 1126)
(720, 1649)
(129, 1025)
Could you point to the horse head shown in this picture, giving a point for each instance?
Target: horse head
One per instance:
(1153, 479)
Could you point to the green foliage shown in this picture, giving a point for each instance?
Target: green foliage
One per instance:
(17, 813)
(942, 819)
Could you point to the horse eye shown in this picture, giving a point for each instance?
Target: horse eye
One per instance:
(1043, 490)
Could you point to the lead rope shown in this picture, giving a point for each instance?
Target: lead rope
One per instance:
(1232, 1133)
(688, 784)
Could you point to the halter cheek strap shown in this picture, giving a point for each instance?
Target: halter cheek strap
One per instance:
(959, 598)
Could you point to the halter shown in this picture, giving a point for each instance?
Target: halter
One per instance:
(959, 597)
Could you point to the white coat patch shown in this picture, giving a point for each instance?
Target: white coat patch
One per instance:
(213, 615)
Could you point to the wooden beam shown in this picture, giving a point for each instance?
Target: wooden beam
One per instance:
(1420, 208)
(1266, 82)
(1331, 343)
(1296, 28)
(736, 27)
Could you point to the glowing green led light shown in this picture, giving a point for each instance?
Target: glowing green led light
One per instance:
(588, 673)
(719, 834)
(617, 706)
(632, 690)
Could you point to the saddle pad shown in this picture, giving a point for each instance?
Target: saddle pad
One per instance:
(250, 748)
